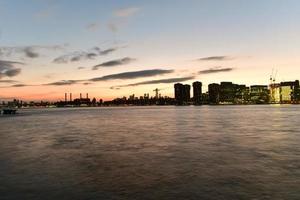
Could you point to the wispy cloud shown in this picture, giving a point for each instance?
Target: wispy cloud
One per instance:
(20, 85)
(8, 68)
(106, 51)
(133, 75)
(112, 63)
(126, 12)
(216, 70)
(64, 82)
(8, 81)
(216, 58)
(83, 55)
(160, 81)
(32, 51)
(119, 76)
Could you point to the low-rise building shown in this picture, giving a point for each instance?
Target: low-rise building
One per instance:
(289, 92)
(259, 94)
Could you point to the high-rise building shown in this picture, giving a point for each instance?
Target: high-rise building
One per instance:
(178, 87)
(186, 93)
(214, 93)
(197, 93)
(182, 93)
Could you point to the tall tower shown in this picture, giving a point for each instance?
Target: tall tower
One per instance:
(178, 90)
(182, 93)
(186, 93)
(66, 98)
(214, 93)
(197, 92)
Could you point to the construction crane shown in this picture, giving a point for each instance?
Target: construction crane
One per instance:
(273, 77)
(156, 92)
(157, 95)
(273, 85)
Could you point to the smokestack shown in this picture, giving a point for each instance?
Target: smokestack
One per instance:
(87, 95)
(66, 98)
(70, 96)
(80, 96)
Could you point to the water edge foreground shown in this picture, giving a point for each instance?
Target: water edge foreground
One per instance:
(206, 152)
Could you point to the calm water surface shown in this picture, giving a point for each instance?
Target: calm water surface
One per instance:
(221, 152)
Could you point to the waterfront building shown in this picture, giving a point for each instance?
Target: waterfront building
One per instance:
(197, 93)
(82, 102)
(214, 93)
(227, 92)
(275, 93)
(285, 92)
(205, 98)
(289, 92)
(241, 94)
(259, 94)
(186, 93)
(182, 93)
(178, 87)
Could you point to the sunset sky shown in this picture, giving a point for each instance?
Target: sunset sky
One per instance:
(114, 48)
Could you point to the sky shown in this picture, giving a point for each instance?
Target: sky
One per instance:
(117, 48)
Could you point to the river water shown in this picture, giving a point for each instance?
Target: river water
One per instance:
(206, 152)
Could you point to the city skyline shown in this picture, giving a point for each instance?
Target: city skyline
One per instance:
(112, 49)
(223, 93)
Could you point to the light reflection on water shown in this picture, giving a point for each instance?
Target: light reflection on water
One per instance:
(218, 152)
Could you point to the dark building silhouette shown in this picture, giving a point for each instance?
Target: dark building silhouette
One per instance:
(197, 93)
(227, 92)
(182, 93)
(187, 93)
(178, 87)
(82, 101)
(296, 93)
(230, 93)
(214, 93)
(205, 98)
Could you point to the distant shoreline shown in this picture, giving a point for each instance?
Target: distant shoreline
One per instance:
(123, 106)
